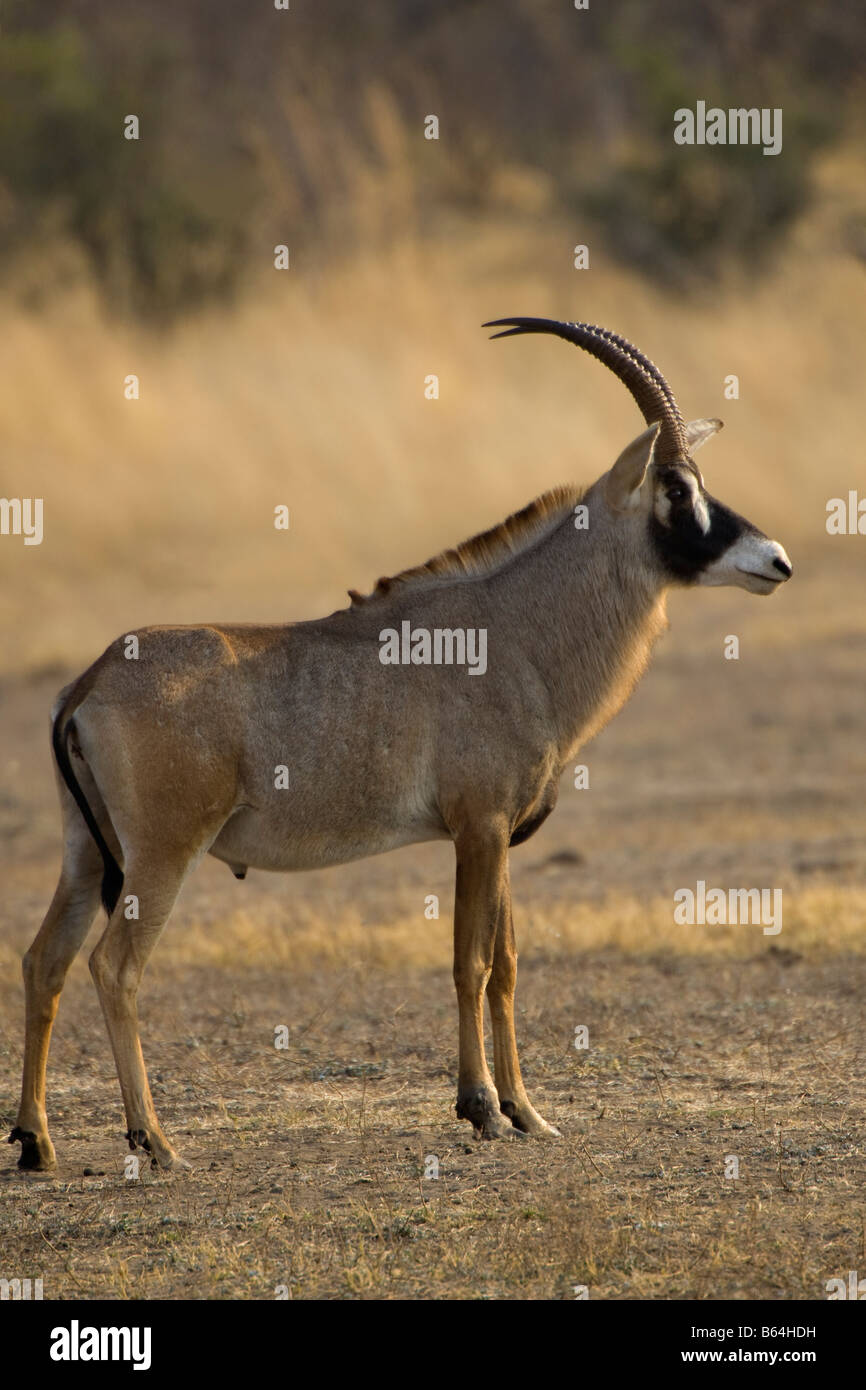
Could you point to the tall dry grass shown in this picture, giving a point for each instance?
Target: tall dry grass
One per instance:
(312, 394)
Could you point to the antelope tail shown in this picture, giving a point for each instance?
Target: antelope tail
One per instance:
(112, 878)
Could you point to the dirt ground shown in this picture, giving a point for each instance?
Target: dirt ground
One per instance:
(313, 1164)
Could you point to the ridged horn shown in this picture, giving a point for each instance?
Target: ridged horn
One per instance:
(654, 397)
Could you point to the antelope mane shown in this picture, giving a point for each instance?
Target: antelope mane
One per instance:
(489, 550)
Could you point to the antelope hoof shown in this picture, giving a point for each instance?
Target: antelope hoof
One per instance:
(528, 1121)
(481, 1108)
(162, 1155)
(37, 1151)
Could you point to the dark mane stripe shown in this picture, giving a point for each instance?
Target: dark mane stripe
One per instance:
(486, 552)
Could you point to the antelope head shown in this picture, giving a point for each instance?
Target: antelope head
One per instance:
(693, 538)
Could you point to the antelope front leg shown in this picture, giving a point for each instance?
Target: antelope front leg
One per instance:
(513, 1100)
(482, 863)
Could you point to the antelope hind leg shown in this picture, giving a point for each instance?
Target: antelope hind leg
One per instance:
(45, 965)
(117, 965)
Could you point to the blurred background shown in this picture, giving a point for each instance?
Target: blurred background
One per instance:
(305, 386)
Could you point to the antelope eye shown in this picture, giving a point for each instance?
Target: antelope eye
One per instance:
(676, 494)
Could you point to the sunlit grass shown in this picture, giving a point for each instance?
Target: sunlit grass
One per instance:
(312, 394)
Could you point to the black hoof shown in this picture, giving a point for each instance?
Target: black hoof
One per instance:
(32, 1158)
(479, 1107)
(138, 1139)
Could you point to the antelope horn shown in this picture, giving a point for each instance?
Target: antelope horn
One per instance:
(642, 377)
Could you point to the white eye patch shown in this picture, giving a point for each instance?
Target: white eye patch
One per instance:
(702, 512)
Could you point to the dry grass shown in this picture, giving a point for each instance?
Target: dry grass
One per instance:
(310, 1162)
(313, 395)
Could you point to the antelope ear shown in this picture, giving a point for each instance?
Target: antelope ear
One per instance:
(699, 431)
(623, 482)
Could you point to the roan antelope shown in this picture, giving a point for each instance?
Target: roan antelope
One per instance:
(171, 756)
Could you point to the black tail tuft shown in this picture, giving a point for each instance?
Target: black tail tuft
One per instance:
(112, 878)
(112, 883)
